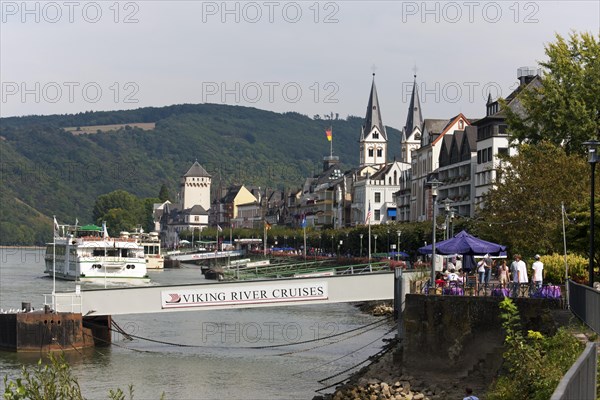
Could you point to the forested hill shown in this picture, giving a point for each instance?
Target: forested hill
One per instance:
(59, 164)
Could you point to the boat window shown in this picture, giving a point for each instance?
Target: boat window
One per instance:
(112, 252)
(98, 253)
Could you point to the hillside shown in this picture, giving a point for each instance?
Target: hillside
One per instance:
(52, 165)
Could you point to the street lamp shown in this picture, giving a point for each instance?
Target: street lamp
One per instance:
(592, 146)
(448, 210)
(399, 232)
(433, 184)
(361, 238)
(388, 239)
(340, 245)
(332, 245)
(375, 248)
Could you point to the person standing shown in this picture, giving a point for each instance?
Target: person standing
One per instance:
(521, 277)
(503, 274)
(538, 272)
(481, 272)
(487, 264)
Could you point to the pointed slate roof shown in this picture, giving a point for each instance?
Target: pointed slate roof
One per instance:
(414, 117)
(196, 170)
(373, 117)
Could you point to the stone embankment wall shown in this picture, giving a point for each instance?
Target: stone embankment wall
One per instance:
(460, 335)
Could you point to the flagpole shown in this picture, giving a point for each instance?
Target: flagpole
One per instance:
(331, 142)
(265, 238)
(369, 243)
(54, 265)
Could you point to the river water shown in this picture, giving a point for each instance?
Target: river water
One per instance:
(226, 354)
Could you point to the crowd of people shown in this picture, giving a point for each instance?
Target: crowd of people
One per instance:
(515, 276)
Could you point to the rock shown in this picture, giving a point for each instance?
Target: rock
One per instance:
(373, 397)
(419, 396)
(397, 384)
(385, 390)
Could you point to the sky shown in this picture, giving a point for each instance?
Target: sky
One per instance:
(310, 57)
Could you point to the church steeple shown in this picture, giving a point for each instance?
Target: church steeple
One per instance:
(373, 116)
(414, 117)
(373, 137)
(411, 134)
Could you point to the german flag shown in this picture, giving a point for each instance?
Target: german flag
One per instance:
(329, 133)
(267, 225)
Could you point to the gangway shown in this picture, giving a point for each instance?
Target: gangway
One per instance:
(228, 295)
(296, 269)
(210, 255)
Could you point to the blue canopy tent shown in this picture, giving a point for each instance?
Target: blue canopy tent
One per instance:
(466, 245)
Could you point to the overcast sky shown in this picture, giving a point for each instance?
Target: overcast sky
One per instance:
(305, 56)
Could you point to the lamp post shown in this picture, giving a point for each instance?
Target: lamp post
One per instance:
(285, 241)
(332, 245)
(340, 245)
(592, 146)
(375, 248)
(399, 232)
(433, 184)
(361, 238)
(447, 209)
(388, 239)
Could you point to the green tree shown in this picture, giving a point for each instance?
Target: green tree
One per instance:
(523, 211)
(565, 108)
(164, 194)
(121, 210)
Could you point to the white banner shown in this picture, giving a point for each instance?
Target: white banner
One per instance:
(221, 295)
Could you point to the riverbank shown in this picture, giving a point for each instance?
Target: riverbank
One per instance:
(384, 378)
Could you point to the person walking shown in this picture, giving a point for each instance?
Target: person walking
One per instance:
(538, 272)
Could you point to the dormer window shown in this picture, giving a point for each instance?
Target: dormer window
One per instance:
(375, 135)
(461, 125)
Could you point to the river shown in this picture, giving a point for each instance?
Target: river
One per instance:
(228, 354)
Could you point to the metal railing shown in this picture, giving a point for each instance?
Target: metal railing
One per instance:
(585, 304)
(64, 300)
(289, 270)
(580, 380)
(474, 288)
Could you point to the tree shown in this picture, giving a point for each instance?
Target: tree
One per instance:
(565, 108)
(164, 194)
(121, 211)
(523, 211)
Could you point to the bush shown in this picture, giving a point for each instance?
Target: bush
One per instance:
(534, 364)
(53, 380)
(554, 265)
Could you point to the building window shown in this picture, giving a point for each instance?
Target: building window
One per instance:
(375, 135)
(461, 125)
(379, 153)
(377, 215)
(196, 218)
(370, 152)
(377, 197)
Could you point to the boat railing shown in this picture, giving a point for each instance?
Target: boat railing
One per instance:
(63, 301)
